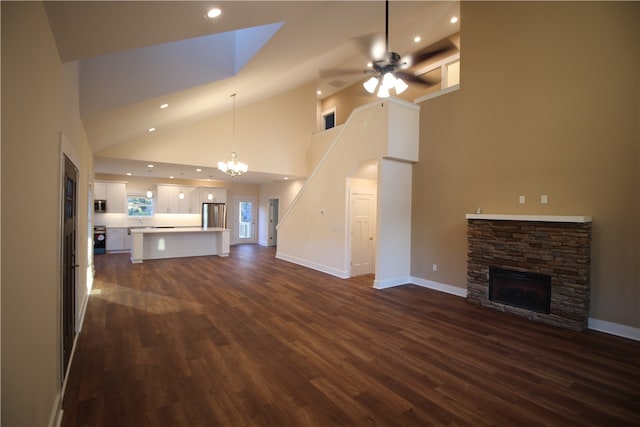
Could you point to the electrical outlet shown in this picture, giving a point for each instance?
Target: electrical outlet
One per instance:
(544, 199)
(521, 200)
(435, 267)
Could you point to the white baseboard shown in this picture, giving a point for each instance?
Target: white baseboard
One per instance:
(611, 328)
(83, 311)
(389, 283)
(55, 419)
(614, 329)
(314, 266)
(453, 290)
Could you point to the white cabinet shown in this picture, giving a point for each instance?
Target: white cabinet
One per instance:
(115, 193)
(191, 200)
(116, 197)
(169, 201)
(218, 195)
(99, 190)
(117, 239)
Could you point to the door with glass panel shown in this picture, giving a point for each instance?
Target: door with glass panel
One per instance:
(245, 220)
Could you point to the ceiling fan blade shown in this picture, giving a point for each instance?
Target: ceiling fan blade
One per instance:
(431, 52)
(412, 78)
(371, 45)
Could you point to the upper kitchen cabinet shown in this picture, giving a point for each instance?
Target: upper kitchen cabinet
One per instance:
(213, 195)
(169, 200)
(117, 197)
(191, 202)
(115, 193)
(99, 190)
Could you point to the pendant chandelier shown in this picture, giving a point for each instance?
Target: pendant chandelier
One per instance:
(233, 167)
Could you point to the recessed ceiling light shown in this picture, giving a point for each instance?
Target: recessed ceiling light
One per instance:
(214, 12)
(129, 174)
(149, 165)
(318, 92)
(152, 129)
(454, 19)
(417, 39)
(198, 170)
(163, 106)
(369, 64)
(171, 177)
(286, 178)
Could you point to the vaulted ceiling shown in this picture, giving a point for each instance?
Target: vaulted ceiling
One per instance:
(135, 56)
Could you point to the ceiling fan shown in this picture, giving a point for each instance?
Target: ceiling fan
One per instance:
(390, 67)
(385, 67)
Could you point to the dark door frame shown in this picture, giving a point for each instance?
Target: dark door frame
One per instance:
(69, 265)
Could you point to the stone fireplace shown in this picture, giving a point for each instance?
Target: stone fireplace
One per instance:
(534, 266)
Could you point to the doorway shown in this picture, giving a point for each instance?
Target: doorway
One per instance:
(362, 223)
(245, 220)
(273, 222)
(69, 266)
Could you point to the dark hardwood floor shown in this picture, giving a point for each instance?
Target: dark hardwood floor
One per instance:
(252, 340)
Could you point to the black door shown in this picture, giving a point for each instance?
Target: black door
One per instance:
(69, 214)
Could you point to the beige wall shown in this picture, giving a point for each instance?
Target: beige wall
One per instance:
(39, 100)
(285, 192)
(282, 124)
(548, 104)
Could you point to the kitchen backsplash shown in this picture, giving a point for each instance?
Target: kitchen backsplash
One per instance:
(123, 220)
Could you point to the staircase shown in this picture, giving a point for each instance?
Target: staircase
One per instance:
(314, 232)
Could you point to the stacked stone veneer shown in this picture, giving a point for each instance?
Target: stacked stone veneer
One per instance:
(558, 249)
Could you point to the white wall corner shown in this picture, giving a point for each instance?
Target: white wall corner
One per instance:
(390, 283)
(453, 290)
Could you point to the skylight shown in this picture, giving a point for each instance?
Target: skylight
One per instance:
(131, 76)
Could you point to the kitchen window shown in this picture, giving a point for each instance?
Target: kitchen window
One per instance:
(139, 206)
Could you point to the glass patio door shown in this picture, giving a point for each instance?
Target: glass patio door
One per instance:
(245, 230)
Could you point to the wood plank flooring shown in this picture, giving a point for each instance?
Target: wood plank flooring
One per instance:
(250, 340)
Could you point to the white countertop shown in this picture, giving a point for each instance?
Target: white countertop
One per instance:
(540, 218)
(156, 230)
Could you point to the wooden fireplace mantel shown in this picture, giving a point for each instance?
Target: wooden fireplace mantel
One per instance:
(540, 218)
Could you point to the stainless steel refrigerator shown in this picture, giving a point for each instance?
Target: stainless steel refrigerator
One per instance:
(214, 215)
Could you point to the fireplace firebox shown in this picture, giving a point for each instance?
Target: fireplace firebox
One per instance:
(531, 291)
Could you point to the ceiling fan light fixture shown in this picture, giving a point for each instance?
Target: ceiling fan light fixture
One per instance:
(400, 86)
(388, 81)
(371, 84)
(383, 92)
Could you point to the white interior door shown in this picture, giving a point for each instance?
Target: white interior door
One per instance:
(362, 234)
(245, 215)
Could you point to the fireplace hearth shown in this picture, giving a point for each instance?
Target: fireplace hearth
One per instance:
(522, 289)
(532, 266)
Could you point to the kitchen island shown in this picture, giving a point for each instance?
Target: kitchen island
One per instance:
(176, 242)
